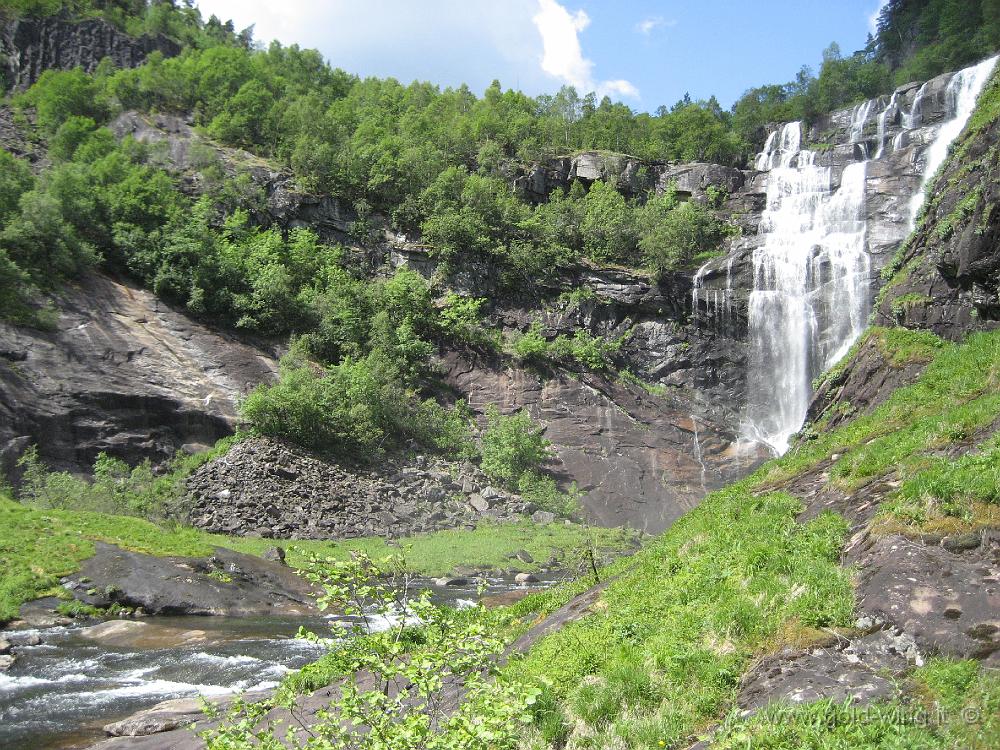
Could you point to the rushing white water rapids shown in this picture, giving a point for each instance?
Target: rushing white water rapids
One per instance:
(811, 271)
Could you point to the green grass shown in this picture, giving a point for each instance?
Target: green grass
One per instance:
(941, 495)
(956, 395)
(663, 651)
(659, 659)
(37, 547)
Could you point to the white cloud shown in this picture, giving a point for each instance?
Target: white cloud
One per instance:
(620, 87)
(648, 25)
(562, 54)
(527, 44)
(873, 18)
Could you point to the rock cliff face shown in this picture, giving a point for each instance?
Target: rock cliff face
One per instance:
(140, 380)
(121, 372)
(948, 277)
(30, 46)
(186, 153)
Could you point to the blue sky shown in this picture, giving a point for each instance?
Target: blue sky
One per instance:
(643, 52)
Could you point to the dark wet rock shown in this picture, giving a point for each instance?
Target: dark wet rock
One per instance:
(269, 489)
(228, 584)
(863, 385)
(949, 603)
(861, 671)
(36, 614)
(4, 647)
(274, 554)
(123, 373)
(452, 581)
(952, 284)
(575, 609)
(30, 46)
(962, 542)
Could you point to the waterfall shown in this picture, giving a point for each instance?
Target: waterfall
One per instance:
(963, 91)
(811, 271)
(858, 119)
(883, 119)
(697, 453)
(810, 295)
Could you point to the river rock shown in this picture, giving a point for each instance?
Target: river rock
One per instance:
(525, 578)
(229, 584)
(274, 554)
(6, 662)
(152, 722)
(454, 581)
(4, 646)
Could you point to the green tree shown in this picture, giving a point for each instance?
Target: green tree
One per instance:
(608, 229)
(61, 94)
(511, 446)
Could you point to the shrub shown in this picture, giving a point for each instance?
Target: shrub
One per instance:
(531, 346)
(356, 408)
(511, 446)
(542, 491)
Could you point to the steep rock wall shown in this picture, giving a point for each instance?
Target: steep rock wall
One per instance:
(30, 46)
(121, 372)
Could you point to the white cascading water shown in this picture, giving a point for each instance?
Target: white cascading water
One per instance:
(963, 91)
(811, 276)
(811, 273)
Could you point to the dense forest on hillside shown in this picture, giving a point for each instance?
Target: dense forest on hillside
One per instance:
(429, 162)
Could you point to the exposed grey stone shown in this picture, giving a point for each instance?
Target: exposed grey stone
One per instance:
(945, 602)
(30, 46)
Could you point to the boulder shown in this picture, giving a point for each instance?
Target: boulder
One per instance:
(454, 581)
(6, 662)
(543, 517)
(525, 578)
(479, 503)
(274, 554)
(229, 584)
